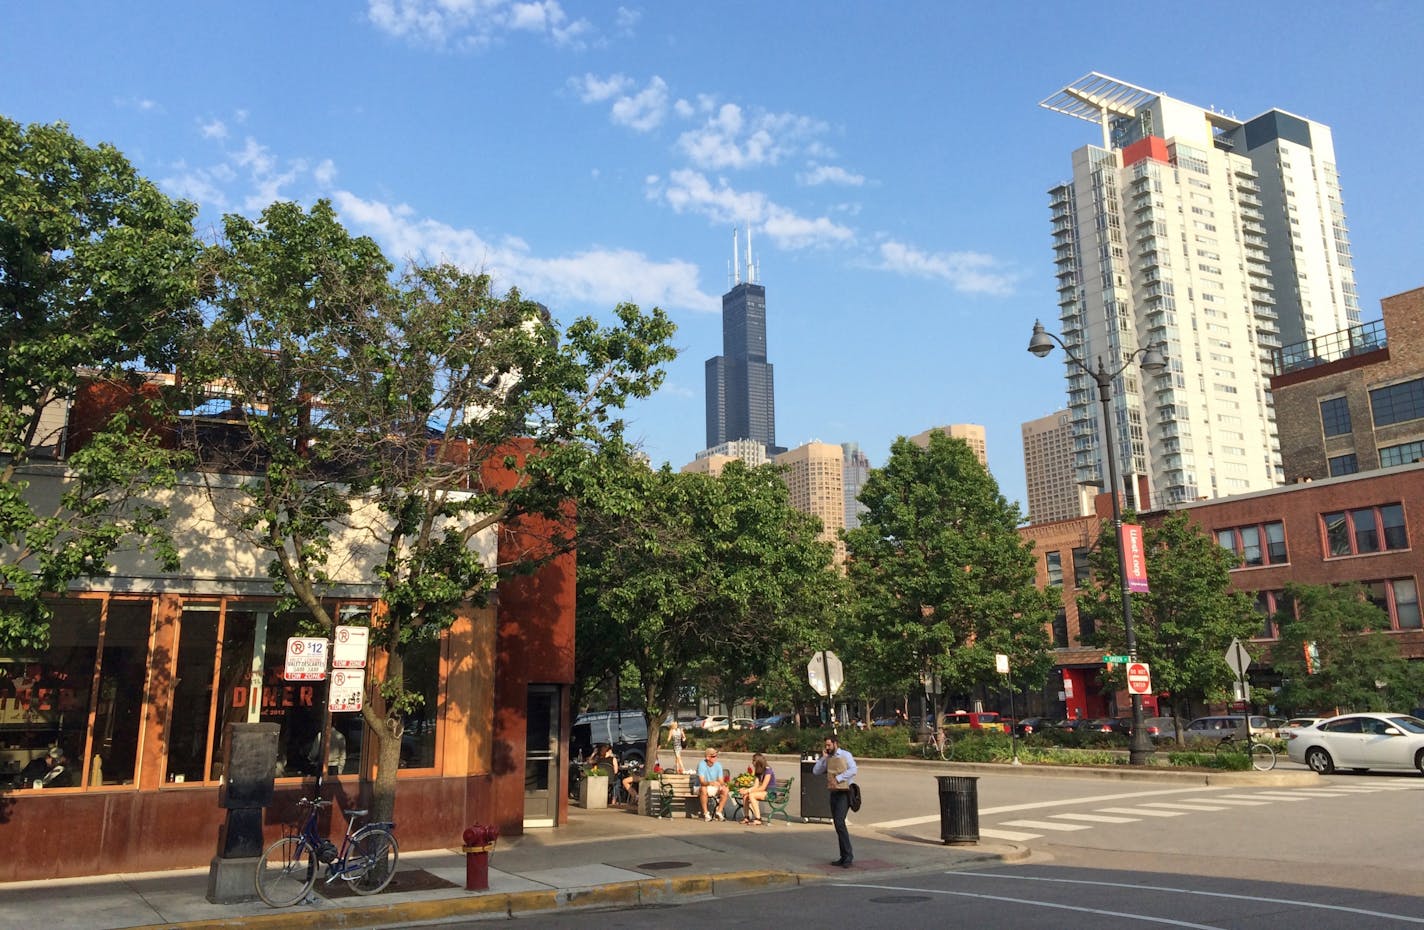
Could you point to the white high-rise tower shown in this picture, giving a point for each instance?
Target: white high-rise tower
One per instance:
(1222, 239)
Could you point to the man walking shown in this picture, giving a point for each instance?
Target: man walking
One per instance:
(838, 766)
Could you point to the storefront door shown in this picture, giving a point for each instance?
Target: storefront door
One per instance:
(542, 757)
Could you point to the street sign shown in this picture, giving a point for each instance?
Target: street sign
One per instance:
(306, 659)
(1139, 679)
(1237, 658)
(348, 650)
(822, 664)
(348, 686)
(1117, 660)
(1001, 663)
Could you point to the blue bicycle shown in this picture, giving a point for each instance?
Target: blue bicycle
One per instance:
(366, 860)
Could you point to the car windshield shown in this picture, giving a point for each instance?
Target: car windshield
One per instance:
(1408, 724)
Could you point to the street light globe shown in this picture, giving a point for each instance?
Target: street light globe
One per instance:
(1152, 360)
(1041, 344)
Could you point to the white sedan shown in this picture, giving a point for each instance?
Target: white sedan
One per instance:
(715, 723)
(1359, 742)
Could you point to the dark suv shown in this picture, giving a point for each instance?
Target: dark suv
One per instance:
(626, 731)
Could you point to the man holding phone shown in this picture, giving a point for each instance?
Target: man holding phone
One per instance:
(838, 765)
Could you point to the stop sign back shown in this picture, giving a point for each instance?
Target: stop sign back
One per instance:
(1139, 679)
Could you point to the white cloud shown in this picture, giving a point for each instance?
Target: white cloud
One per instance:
(325, 173)
(217, 129)
(593, 89)
(626, 19)
(142, 104)
(597, 275)
(732, 138)
(966, 272)
(475, 23)
(829, 174)
(644, 110)
(691, 191)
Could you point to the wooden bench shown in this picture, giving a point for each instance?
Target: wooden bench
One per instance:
(670, 790)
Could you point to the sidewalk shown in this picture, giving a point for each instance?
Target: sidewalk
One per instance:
(602, 858)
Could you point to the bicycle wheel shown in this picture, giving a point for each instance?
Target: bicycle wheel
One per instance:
(375, 851)
(1263, 757)
(286, 872)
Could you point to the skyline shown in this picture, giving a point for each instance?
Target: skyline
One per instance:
(894, 168)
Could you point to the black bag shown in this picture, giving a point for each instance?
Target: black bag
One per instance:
(854, 796)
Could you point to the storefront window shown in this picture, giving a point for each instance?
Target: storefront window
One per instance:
(193, 693)
(113, 750)
(44, 701)
(422, 675)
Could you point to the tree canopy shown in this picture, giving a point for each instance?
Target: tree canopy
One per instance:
(940, 579)
(698, 578)
(1184, 625)
(97, 281)
(448, 408)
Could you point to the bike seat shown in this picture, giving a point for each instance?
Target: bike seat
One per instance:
(357, 813)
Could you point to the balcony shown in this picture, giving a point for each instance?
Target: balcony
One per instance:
(1345, 343)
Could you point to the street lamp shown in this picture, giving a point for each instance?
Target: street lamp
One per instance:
(1041, 344)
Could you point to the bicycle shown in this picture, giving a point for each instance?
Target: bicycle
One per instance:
(366, 860)
(937, 745)
(1263, 757)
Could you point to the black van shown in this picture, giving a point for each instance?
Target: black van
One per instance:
(626, 731)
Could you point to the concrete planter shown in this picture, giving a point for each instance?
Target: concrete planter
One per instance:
(593, 791)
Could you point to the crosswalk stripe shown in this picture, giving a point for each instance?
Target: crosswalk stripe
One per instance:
(1045, 825)
(1142, 811)
(1237, 802)
(1096, 818)
(1010, 835)
(1318, 793)
(1168, 805)
(1279, 796)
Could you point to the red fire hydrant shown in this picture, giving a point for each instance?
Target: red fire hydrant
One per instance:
(479, 843)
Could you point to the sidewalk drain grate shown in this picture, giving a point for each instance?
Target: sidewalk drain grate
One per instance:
(900, 899)
(661, 866)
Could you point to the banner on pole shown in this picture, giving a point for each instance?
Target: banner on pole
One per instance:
(1134, 557)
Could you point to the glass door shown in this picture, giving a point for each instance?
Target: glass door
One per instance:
(542, 756)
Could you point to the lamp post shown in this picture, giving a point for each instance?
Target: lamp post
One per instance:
(1140, 749)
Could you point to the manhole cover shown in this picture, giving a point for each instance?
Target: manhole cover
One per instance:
(900, 899)
(660, 866)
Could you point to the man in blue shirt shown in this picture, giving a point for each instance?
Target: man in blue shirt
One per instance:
(710, 782)
(838, 766)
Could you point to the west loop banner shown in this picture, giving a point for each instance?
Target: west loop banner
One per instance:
(1129, 537)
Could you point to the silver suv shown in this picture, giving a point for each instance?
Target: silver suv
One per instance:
(1228, 726)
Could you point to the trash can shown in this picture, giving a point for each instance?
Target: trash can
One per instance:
(958, 809)
(815, 796)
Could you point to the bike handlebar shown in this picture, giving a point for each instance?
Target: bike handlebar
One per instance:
(313, 802)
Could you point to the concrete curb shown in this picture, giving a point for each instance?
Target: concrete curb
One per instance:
(509, 904)
(1119, 773)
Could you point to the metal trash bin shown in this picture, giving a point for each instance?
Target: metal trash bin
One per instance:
(958, 808)
(815, 796)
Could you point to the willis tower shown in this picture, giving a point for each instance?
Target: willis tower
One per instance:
(740, 393)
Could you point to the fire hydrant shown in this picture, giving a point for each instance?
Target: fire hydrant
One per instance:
(479, 843)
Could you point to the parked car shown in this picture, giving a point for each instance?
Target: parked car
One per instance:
(626, 731)
(776, 721)
(1359, 742)
(1029, 725)
(885, 722)
(1295, 723)
(1228, 726)
(986, 721)
(1102, 725)
(743, 723)
(713, 723)
(1160, 729)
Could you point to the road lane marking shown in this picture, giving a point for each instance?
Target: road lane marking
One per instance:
(1279, 796)
(1294, 902)
(1039, 805)
(1145, 918)
(1046, 825)
(1012, 836)
(1170, 805)
(1142, 812)
(1097, 818)
(1237, 802)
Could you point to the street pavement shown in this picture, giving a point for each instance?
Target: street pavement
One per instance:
(602, 858)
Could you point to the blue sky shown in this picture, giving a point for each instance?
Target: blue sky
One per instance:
(891, 160)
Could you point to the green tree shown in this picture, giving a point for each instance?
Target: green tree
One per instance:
(1184, 625)
(940, 578)
(418, 413)
(97, 281)
(690, 577)
(1352, 663)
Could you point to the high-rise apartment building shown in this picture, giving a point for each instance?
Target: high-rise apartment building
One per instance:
(1220, 239)
(1053, 489)
(713, 460)
(855, 470)
(814, 477)
(741, 402)
(971, 433)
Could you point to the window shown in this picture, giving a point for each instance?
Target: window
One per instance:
(1402, 454)
(1257, 544)
(1054, 561)
(1335, 416)
(1365, 530)
(1082, 569)
(1060, 629)
(1087, 626)
(1398, 402)
(1268, 603)
(1343, 465)
(1399, 599)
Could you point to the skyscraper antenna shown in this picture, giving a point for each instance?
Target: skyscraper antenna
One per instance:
(751, 266)
(736, 260)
